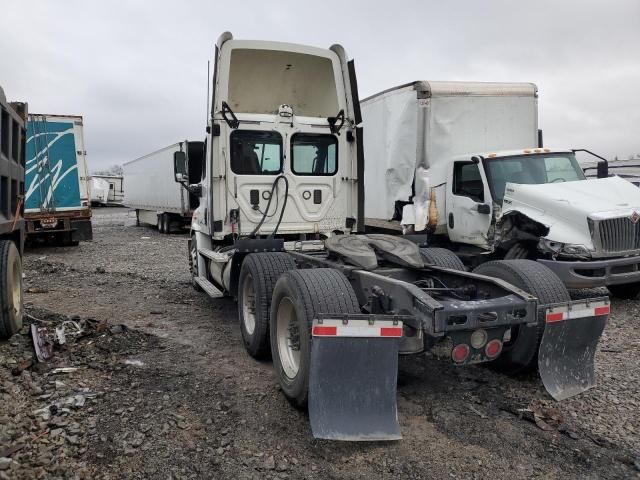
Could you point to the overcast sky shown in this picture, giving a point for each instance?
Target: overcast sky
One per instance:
(136, 70)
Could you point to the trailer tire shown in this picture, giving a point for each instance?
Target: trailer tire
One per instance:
(299, 296)
(258, 276)
(625, 291)
(521, 353)
(11, 295)
(441, 257)
(161, 223)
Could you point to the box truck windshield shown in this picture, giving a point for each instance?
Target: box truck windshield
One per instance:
(530, 170)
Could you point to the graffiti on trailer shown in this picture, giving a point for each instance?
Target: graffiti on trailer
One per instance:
(51, 176)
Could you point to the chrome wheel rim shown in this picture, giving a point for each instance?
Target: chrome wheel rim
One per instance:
(288, 338)
(248, 305)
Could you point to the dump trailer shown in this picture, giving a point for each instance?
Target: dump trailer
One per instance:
(278, 228)
(57, 198)
(13, 117)
(464, 162)
(150, 188)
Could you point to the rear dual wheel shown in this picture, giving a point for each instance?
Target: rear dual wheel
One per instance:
(520, 353)
(258, 277)
(298, 297)
(164, 223)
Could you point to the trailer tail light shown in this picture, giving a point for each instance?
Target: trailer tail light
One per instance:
(493, 348)
(460, 353)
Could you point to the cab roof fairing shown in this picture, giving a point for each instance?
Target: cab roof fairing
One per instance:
(328, 106)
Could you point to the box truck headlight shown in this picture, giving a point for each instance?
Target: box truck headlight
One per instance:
(575, 249)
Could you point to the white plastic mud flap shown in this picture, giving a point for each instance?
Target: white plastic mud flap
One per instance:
(353, 378)
(568, 347)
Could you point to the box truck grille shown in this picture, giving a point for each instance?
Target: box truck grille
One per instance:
(617, 235)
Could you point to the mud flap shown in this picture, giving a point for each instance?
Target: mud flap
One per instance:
(352, 380)
(568, 347)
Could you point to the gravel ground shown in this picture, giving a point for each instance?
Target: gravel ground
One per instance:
(173, 395)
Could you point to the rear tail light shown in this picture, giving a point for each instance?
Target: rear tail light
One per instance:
(460, 353)
(493, 348)
(478, 339)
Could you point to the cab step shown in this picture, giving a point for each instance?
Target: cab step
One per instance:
(209, 287)
(213, 255)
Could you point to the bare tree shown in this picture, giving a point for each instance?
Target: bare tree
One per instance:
(115, 170)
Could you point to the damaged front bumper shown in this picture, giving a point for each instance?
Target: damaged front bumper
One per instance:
(596, 273)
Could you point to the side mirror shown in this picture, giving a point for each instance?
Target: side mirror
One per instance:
(603, 169)
(180, 167)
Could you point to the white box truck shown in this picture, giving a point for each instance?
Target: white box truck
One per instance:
(151, 190)
(464, 162)
(57, 203)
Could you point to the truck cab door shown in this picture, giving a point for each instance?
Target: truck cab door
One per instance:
(469, 206)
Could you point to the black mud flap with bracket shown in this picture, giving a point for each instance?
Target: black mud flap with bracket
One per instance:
(566, 353)
(353, 379)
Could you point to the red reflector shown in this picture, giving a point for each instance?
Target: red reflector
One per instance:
(555, 317)
(460, 353)
(324, 331)
(493, 348)
(390, 331)
(602, 310)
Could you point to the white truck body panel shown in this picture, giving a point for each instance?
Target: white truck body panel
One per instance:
(115, 187)
(426, 124)
(149, 183)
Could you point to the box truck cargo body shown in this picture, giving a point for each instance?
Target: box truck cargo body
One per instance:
(57, 203)
(464, 162)
(151, 190)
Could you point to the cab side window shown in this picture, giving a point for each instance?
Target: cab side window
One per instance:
(467, 181)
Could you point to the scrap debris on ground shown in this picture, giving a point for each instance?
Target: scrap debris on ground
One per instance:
(141, 377)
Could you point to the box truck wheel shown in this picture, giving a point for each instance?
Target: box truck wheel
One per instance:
(520, 353)
(258, 275)
(441, 257)
(11, 306)
(627, 290)
(298, 297)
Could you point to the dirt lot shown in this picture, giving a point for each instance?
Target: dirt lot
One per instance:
(175, 396)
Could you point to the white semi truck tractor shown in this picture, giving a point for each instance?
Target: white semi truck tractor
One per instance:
(464, 162)
(281, 206)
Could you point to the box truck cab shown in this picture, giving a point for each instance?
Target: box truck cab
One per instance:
(459, 160)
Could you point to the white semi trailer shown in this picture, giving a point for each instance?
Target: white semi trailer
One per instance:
(150, 188)
(464, 162)
(281, 203)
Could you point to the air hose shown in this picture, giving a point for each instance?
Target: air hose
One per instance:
(266, 210)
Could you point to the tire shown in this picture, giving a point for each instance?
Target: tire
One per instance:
(167, 223)
(258, 276)
(625, 291)
(441, 257)
(298, 297)
(193, 264)
(137, 218)
(520, 354)
(11, 293)
(161, 223)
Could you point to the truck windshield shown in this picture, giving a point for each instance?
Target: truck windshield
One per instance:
(531, 170)
(313, 154)
(256, 152)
